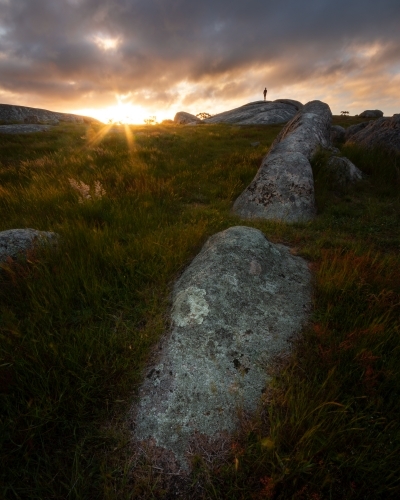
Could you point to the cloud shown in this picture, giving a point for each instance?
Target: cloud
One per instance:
(83, 53)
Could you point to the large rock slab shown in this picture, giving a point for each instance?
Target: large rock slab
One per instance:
(259, 113)
(283, 188)
(14, 242)
(234, 309)
(183, 118)
(9, 113)
(383, 133)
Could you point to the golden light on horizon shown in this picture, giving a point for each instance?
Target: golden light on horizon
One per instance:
(122, 113)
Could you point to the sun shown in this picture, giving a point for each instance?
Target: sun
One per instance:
(121, 113)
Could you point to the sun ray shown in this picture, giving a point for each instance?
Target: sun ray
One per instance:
(99, 136)
(130, 139)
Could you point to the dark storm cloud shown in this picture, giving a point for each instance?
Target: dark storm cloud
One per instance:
(48, 48)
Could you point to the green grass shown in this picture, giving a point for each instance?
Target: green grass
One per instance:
(77, 324)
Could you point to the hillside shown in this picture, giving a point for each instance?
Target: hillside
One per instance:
(80, 321)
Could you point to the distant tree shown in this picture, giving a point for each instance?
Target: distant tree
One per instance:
(151, 120)
(203, 115)
(344, 113)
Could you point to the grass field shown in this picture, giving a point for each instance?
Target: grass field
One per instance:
(77, 323)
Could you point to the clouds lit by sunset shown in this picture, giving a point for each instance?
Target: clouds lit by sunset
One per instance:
(130, 59)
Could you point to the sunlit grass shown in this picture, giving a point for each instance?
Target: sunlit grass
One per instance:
(77, 322)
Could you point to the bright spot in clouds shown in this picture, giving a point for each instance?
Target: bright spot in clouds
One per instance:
(106, 43)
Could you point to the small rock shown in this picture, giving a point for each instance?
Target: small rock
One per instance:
(16, 241)
(183, 118)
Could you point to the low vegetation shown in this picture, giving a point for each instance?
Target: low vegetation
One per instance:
(133, 206)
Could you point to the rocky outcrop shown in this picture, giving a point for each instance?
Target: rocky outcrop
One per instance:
(259, 113)
(14, 242)
(283, 187)
(234, 309)
(182, 118)
(371, 113)
(10, 113)
(382, 133)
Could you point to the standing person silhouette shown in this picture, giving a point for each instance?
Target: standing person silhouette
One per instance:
(265, 93)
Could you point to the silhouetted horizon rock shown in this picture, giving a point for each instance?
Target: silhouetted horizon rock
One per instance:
(371, 113)
(234, 309)
(283, 188)
(297, 104)
(259, 113)
(16, 241)
(183, 118)
(10, 113)
(383, 133)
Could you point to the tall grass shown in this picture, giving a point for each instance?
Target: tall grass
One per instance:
(77, 323)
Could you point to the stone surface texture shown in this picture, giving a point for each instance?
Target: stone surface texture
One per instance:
(283, 187)
(183, 118)
(16, 241)
(371, 113)
(234, 308)
(259, 113)
(10, 113)
(383, 133)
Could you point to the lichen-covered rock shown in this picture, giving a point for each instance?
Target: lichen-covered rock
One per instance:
(371, 113)
(259, 113)
(16, 241)
(283, 187)
(183, 118)
(383, 133)
(234, 308)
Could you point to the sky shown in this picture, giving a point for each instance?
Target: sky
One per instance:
(130, 60)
